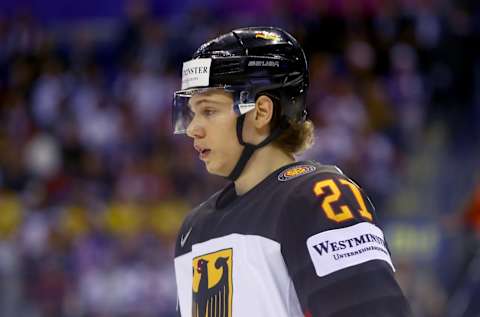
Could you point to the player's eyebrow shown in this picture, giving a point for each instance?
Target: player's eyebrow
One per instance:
(202, 101)
(209, 100)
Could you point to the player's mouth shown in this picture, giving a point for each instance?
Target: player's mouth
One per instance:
(202, 152)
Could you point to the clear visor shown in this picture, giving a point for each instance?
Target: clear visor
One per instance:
(182, 115)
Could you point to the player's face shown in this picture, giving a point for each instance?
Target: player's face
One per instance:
(213, 129)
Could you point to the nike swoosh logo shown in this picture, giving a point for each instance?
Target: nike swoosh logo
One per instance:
(184, 238)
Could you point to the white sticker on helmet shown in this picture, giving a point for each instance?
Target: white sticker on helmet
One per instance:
(196, 73)
(245, 107)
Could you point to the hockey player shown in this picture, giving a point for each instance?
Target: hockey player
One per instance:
(284, 238)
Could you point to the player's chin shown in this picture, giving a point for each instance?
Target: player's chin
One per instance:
(216, 169)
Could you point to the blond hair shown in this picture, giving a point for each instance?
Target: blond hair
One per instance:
(297, 138)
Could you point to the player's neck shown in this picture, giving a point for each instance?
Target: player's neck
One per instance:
(262, 163)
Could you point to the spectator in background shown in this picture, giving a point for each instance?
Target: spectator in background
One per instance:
(472, 213)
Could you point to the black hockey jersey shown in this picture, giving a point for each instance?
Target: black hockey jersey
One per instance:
(304, 242)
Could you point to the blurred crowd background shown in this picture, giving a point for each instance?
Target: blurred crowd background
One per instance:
(93, 185)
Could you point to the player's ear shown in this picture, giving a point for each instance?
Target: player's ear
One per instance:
(263, 112)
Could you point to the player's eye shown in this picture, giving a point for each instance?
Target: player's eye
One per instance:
(208, 112)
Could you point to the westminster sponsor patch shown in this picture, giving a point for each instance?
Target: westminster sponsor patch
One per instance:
(196, 73)
(295, 171)
(338, 249)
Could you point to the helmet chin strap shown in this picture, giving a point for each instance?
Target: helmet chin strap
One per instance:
(249, 148)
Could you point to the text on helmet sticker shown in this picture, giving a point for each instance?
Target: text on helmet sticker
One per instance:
(338, 249)
(196, 73)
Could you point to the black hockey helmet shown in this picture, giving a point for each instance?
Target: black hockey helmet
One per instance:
(247, 62)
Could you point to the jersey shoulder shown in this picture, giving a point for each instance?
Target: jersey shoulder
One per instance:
(301, 179)
(330, 214)
(329, 198)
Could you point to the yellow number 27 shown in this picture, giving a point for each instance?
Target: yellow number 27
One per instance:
(345, 213)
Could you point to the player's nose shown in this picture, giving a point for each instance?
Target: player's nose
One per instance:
(195, 130)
